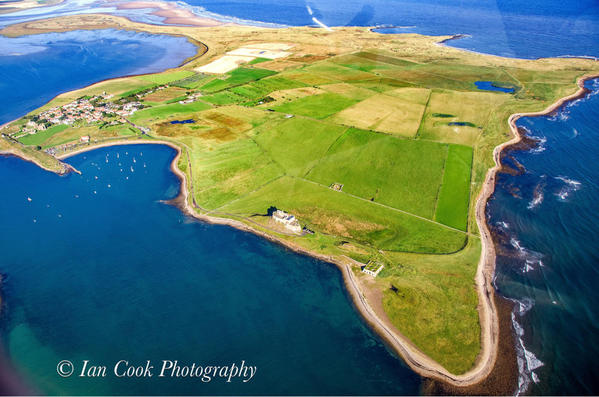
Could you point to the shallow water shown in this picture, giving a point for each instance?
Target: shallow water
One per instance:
(547, 221)
(102, 270)
(36, 68)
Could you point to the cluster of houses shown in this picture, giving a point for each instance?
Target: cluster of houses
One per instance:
(87, 109)
(191, 98)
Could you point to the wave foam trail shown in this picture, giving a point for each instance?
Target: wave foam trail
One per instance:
(537, 198)
(571, 185)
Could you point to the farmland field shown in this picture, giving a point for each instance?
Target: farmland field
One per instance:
(317, 106)
(41, 137)
(452, 209)
(404, 174)
(236, 77)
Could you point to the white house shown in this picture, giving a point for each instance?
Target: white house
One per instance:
(287, 220)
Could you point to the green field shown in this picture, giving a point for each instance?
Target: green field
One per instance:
(165, 111)
(404, 174)
(317, 106)
(164, 78)
(297, 144)
(339, 214)
(452, 208)
(236, 77)
(42, 136)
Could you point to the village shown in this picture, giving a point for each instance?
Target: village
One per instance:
(85, 109)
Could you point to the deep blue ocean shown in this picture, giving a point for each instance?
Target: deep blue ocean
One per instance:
(102, 270)
(546, 224)
(213, 295)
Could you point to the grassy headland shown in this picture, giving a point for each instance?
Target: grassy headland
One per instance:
(379, 144)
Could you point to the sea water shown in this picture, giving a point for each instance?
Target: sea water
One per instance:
(97, 267)
(523, 29)
(546, 222)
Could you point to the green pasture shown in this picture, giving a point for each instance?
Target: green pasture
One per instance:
(454, 196)
(336, 213)
(403, 174)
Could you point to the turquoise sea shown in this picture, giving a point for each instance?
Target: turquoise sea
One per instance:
(125, 275)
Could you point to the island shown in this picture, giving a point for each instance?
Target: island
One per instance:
(375, 152)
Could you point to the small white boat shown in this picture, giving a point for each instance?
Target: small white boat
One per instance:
(29, 199)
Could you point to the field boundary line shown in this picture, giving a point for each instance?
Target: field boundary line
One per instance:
(385, 206)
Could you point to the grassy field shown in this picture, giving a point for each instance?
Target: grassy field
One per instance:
(435, 302)
(297, 144)
(164, 78)
(404, 174)
(317, 106)
(41, 137)
(236, 77)
(335, 213)
(165, 111)
(452, 208)
(401, 130)
(397, 112)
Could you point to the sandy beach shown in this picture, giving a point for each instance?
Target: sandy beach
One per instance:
(171, 12)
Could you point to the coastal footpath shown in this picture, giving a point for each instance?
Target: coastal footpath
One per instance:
(444, 327)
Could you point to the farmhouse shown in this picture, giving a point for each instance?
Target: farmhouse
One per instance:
(288, 220)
